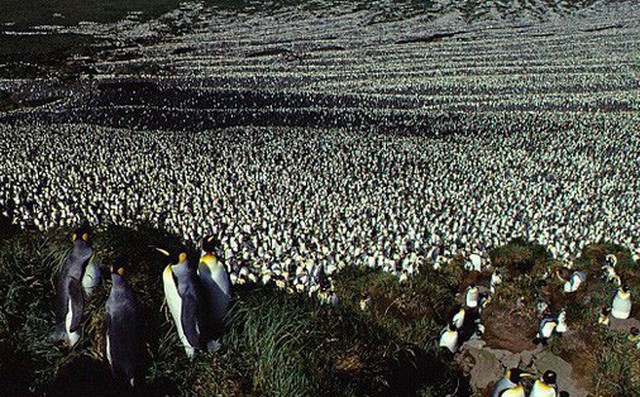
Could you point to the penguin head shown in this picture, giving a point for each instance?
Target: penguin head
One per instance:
(549, 377)
(605, 311)
(634, 331)
(209, 244)
(173, 257)
(515, 375)
(624, 288)
(117, 269)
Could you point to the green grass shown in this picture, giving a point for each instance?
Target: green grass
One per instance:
(276, 344)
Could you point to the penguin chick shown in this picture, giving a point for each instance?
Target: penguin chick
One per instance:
(69, 293)
(183, 295)
(545, 387)
(216, 286)
(621, 307)
(509, 385)
(124, 330)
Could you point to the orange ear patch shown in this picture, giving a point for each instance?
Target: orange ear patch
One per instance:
(121, 271)
(85, 237)
(73, 238)
(182, 257)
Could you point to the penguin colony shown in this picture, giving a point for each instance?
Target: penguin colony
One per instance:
(293, 206)
(371, 178)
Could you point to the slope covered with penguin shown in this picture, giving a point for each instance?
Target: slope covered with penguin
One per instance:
(276, 343)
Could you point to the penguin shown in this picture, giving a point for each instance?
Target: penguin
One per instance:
(509, 385)
(216, 286)
(458, 318)
(366, 302)
(603, 317)
(545, 387)
(611, 260)
(634, 336)
(621, 307)
(561, 328)
(184, 298)
(69, 291)
(576, 279)
(449, 337)
(124, 330)
(545, 330)
(471, 296)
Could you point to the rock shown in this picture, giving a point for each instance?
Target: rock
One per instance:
(623, 326)
(546, 360)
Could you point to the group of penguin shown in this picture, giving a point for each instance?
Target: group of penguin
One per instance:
(511, 385)
(620, 306)
(197, 297)
(465, 322)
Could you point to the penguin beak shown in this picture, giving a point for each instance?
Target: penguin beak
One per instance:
(527, 375)
(163, 252)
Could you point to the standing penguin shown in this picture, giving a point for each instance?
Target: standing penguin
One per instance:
(576, 279)
(124, 330)
(449, 337)
(545, 330)
(183, 295)
(458, 317)
(545, 387)
(509, 385)
(603, 317)
(216, 287)
(69, 293)
(561, 321)
(621, 307)
(471, 296)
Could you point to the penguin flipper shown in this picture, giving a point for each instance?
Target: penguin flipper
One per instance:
(190, 319)
(76, 304)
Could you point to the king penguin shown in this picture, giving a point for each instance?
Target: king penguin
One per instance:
(471, 296)
(216, 288)
(621, 307)
(184, 298)
(545, 330)
(509, 385)
(449, 337)
(69, 293)
(124, 330)
(545, 387)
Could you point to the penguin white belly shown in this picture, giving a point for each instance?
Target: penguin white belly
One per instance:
(91, 278)
(449, 339)
(175, 307)
(517, 391)
(72, 337)
(621, 308)
(458, 320)
(542, 390)
(472, 300)
(109, 351)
